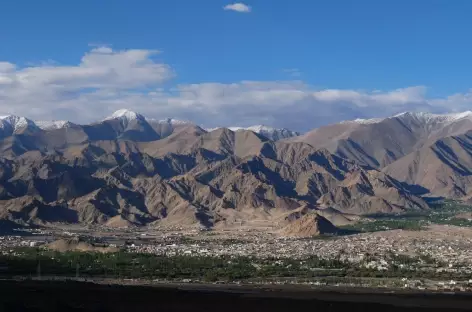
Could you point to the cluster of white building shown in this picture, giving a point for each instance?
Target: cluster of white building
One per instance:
(451, 255)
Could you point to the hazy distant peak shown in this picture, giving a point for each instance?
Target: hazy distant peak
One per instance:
(53, 124)
(269, 132)
(364, 121)
(260, 128)
(170, 121)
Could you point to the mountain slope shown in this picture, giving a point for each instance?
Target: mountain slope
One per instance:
(309, 225)
(216, 179)
(380, 142)
(445, 167)
(128, 170)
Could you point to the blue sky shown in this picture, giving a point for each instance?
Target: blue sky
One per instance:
(296, 64)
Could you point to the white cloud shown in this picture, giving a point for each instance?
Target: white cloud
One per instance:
(238, 7)
(106, 80)
(6, 67)
(50, 86)
(292, 104)
(100, 68)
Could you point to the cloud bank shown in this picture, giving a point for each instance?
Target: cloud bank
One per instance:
(106, 80)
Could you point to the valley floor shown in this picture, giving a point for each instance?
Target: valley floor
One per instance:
(434, 258)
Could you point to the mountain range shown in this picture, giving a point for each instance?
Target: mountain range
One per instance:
(429, 150)
(129, 170)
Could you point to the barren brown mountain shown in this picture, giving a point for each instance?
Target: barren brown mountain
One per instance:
(311, 224)
(380, 142)
(123, 173)
(426, 150)
(444, 167)
(129, 171)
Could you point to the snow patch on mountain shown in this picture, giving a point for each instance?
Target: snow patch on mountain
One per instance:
(428, 117)
(54, 124)
(422, 117)
(170, 121)
(364, 121)
(271, 133)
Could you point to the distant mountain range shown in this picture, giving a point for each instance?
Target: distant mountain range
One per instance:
(130, 123)
(128, 170)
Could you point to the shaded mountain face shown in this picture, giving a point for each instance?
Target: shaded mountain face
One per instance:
(432, 151)
(444, 167)
(193, 178)
(10, 125)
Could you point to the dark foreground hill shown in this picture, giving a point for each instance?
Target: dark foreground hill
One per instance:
(74, 296)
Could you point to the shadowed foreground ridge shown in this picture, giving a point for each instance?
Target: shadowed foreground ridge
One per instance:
(74, 296)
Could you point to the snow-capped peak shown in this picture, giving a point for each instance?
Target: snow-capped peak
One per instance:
(256, 128)
(419, 116)
(125, 114)
(170, 121)
(261, 128)
(457, 116)
(16, 123)
(54, 124)
(428, 117)
(269, 132)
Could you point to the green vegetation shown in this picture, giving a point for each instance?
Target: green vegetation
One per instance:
(443, 212)
(28, 261)
(132, 265)
(385, 225)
